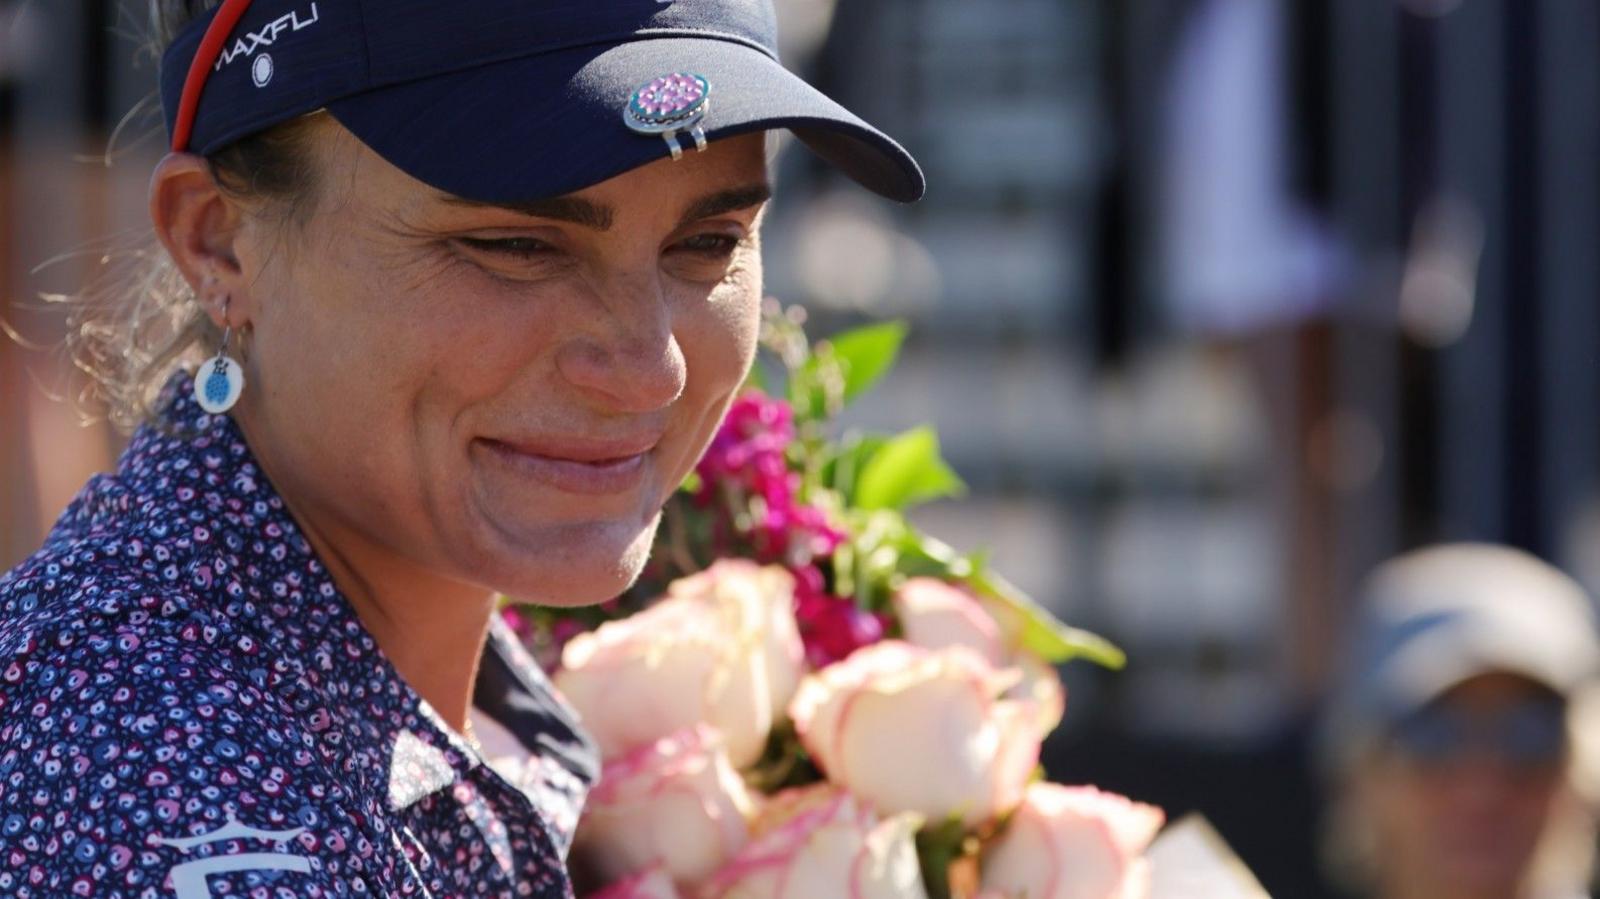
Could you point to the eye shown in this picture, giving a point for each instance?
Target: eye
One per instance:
(512, 247)
(713, 245)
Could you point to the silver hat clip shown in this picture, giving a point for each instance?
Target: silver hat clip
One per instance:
(668, 105)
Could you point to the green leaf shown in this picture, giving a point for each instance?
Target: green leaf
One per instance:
(815, 388)
(691, 482)
(866, 354)
(843, 471)
(905, 471)
(1040, 632)
(937, 846)
(784, 762)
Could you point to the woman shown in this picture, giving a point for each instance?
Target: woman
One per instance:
(1459, 743)
(469, 285)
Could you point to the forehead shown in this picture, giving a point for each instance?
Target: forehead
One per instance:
(732, 165)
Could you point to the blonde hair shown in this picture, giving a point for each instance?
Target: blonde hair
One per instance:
(137, 320)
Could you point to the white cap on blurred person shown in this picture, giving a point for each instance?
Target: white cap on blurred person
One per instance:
(1435, 618)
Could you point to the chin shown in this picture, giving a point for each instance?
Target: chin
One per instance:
(577, 565)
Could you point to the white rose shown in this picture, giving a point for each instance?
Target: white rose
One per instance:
(785, 805)
(825, 844)
(1073, 843)
(677, 803)
(652, 883)
(721, 648)
(934, 614)
(1040, 688)
(911, 730)
(765, 594)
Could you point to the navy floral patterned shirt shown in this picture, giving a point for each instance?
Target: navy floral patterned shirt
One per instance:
(189, 707)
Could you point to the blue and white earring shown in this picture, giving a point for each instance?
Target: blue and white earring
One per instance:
(220, 380)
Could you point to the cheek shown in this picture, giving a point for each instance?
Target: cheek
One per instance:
(1532, 799)
(366, 360)
(1405, 805)
(717, 334)
(385, 328)
(718, 338)
(344, 320)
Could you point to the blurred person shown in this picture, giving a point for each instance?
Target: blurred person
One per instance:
(451, 295)
(1456, 741)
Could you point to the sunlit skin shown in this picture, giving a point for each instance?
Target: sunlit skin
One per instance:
(457, 399)
(1469, 829)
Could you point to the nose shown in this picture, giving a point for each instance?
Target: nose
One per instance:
(629, 360)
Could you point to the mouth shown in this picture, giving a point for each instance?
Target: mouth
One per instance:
(590, 468)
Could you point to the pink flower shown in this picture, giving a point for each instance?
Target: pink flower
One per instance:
(564, 630)
(934, 614)
(721, 648)
(833, 628)
(651, 883)
(766, 595)
(808, 580)
(910, 730)
(1073, 843)
(748, 462)
(518, 622)
(677, 804)
(750, 444)
(820, 841)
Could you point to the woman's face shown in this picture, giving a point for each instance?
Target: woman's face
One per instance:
(1467, 820)
(500, 396)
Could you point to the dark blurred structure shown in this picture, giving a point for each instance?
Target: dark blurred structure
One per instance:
(1216, 304)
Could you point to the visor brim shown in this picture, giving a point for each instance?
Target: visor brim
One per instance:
(551, 124)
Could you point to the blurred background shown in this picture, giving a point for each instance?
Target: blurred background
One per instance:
(1215, 303)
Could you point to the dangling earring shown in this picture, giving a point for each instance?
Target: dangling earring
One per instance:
(220, 380)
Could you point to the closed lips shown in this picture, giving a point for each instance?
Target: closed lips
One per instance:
(589, 467)
(588, 452)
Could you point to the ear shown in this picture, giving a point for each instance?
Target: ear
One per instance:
(198, 225)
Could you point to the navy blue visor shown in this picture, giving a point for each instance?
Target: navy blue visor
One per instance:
(512, 100)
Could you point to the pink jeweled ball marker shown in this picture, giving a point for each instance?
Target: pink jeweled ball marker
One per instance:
(670, 104)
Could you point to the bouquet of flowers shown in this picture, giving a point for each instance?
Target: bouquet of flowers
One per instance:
(806, 697)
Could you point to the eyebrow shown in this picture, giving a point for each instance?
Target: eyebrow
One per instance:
(600, 217)
(730, 200)
(576, 210)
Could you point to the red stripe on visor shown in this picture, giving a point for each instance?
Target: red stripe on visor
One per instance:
(216, 37)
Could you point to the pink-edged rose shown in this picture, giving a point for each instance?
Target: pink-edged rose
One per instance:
(821, 841)
(677, 803)
(913, 730)
(934, 614)
(766, 594)
(1073, 843)
(721, 648)
(1040, 689)
(787, 804)
(651, 883)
